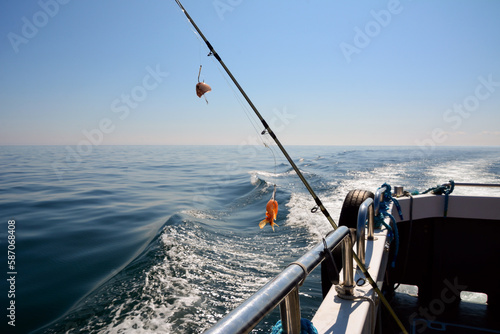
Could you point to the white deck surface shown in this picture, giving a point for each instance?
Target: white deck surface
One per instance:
(337, 315)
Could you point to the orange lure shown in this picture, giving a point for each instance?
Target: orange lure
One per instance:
(271, 212)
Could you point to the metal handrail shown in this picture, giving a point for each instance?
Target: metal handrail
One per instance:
(378, 197)
(365, 212)
(463, 184)
(282, 289)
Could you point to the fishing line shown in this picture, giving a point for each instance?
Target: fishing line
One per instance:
(200, 41)
(294, 166)
(247, 112)
(200, 45)
(251, 117)
(243, 106)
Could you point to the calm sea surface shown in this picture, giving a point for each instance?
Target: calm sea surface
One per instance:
(166, 238)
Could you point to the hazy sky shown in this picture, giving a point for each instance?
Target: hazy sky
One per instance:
(321, 72)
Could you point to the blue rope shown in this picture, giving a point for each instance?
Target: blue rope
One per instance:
(388, 198)
(306, 327)
(384, 212)
(445, 189)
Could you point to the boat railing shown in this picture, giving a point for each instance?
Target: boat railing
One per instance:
(378, 197)
(365, 212)
(283, 290)
(486, 185)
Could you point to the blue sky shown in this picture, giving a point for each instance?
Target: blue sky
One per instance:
(321, 72)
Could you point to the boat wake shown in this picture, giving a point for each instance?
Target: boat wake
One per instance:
(205, 260)
(189, 277)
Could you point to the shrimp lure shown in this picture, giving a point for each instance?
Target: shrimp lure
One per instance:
(271, 212)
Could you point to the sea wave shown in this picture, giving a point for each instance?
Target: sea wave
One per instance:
(172, 242)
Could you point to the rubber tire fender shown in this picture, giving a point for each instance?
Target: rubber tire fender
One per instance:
(350, 208)
(349, 218)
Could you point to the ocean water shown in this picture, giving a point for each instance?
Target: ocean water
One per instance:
(166, 239)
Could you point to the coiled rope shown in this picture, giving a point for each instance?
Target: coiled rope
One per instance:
(383, 213)
(445, 189)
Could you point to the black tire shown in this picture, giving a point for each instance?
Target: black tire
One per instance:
(349, 218)
(350, 208)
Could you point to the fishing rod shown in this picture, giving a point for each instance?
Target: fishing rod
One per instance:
(292, 163)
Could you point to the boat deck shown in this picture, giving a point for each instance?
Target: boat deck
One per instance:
(336, 314)
(440, 257)
(443, 257)
(417, 317)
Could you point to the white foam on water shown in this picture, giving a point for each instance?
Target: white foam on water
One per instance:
(300, 204)
(411, 290)
(267, 175)
(201, 214)
(474, 297)
(466, 171)
(254, 179)
(300, 215)
(271, 178)
(200, 278)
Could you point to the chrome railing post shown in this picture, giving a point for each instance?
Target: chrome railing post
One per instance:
(347, 259)
(361, 228)
(290, 312)
(371, 223)
(378, 197)
(360, 236)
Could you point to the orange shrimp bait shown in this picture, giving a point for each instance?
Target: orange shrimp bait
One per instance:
(271, 212)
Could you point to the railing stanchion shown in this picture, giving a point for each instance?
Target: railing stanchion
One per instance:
(361, 228)
(348, 285)
(290, 312)
(371, 223)
(378, 197)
